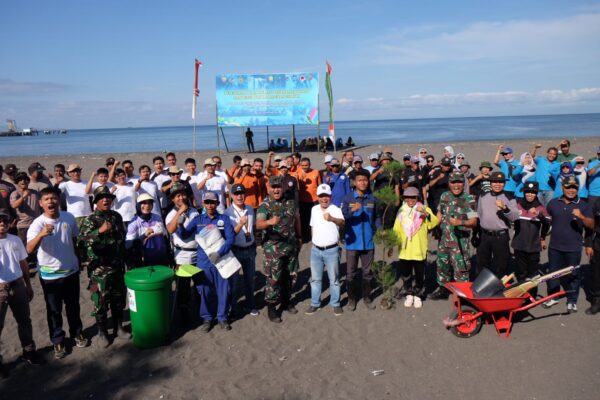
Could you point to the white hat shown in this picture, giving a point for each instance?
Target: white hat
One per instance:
(324, 189)
(144, 197)
(327, 159)
(374, 156)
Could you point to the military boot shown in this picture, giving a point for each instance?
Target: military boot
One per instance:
(118, 330)
(441, 293)
(102, 339)
(351, 291)
(272, 313)
(366, 292)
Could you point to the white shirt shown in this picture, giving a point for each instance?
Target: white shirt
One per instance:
(151, 188)
(235, 214)
(124, 202)
(77, 199)
(133, 180)
(325, 233)
(12, 252)
(56, 251)
(183, 256)
(194, 184)
(159, 180)
(216, 184)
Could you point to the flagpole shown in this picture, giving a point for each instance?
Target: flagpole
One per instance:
(194, 127)
(197, 64)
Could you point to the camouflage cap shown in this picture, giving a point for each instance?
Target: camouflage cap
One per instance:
(456, 177)
(102, 192)
(177, 187)
(570, 181)
(275, 181)
(485, 164)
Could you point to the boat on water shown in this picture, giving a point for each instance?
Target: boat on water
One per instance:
(12, 130)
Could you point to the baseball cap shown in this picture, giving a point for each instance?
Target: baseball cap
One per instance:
(414, 159)
(277, 157)
(282, 164)
(110, 161)
(530, 187)
(385, 156)
(373, 156)
(411, 192)
(357, 159)
(498, 177)
(102, 192)
(335, 161)
(388, 149)
(36, 166)
(327, 159)
(507, 150)
(570, 182)
(144, 197)
(406, 156)
(465, 162)
(456, 177)
(210, 196)
(11, 169)
(73, 167)
(238, 188)
(245, 162)
(324, 189)
(275, 181)
(446, 162)
(209, 161)
(175, 170)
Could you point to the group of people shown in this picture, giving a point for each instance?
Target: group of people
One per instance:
(59, 224)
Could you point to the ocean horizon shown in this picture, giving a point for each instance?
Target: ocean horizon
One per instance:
(368, 132)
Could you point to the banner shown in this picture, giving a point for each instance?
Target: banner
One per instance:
(268, 99)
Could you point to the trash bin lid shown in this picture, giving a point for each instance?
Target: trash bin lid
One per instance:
(149, 278)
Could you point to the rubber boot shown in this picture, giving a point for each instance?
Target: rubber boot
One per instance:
(272, 313)
(366, 292)
(102, 338)
(351, 290)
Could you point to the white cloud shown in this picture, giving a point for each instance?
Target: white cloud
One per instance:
(573, 96)
(10, 87)
(562, 38)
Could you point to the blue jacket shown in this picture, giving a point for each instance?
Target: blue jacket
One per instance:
(511, 183)
(198, 223)
(360, 225)
(546, 173)
(340, 186)
(594, 180)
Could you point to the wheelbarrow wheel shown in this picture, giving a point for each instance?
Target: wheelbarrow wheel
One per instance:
(468, 328)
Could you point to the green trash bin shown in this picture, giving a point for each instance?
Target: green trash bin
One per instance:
(149, 297)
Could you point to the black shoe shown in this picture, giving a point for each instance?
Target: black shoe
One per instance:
(351, 304)
(225, 325)
(594, 309)
(32, 357)
(205, 327)
(366, 292)
(291, 309)
(60, 351)
(441, 293)
(272, 314)
(311, 310)
(337, 311)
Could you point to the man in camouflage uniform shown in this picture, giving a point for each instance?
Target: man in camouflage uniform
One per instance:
(102, 245)
(280, 220)
(457, 213)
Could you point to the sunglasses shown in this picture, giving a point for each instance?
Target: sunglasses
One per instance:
(571, 187)
(422, 152)
(460, 158)
(580, 163)
(429, 161)
(409, 197)
(207, 202)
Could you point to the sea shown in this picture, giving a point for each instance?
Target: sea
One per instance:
(372, 132)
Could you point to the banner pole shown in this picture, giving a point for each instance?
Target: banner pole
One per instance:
(293, 138)
(268, 141)
(217, 126)
(194, 138)
(319, 124)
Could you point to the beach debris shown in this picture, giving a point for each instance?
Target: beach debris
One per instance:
(283, 358)
(299, 350)
(377, 372)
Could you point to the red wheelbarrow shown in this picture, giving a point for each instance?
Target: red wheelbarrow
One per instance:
(469, 312)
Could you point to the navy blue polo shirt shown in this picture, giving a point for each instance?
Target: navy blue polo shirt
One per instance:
(567, 230)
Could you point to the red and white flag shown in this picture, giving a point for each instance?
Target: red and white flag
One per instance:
(197, 65)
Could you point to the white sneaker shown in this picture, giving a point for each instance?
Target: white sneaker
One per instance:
(549, 303)
(417, 303)
(409, 301)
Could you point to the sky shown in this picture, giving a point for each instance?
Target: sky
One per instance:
(115, 63)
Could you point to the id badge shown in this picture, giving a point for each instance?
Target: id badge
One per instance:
(248, 237)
